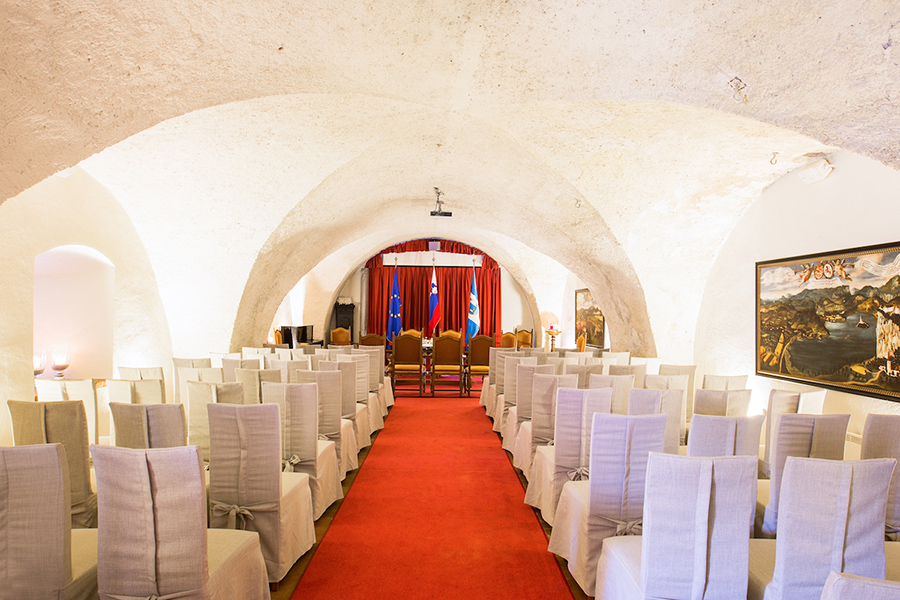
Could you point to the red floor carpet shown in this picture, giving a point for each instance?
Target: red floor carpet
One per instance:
(435, 512)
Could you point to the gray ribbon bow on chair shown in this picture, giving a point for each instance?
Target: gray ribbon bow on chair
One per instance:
(891, 533)
(288, 465)
(233, 511)
(625, 527)
(579, 474)
(173, 596)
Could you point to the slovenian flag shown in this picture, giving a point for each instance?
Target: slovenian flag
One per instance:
(434, 304)
(394, 326)
(474, 312)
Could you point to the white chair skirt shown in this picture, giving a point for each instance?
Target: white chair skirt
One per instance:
(510, 429)
(569, 538)
(540, 483)
(349, 448)
(326, 488)
(522, 449)
(363, 427)
(619, 569)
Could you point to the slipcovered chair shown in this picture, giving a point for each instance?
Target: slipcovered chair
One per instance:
(841, 586)
(498, 381)
(61, 423)
(622, 358)
(611, 501)
(478, 361)
(583, 356)
(782, 402)
(560, 363)
(813, 436)
(145, 373)
(690, 371)
(376, 373)
(340, 336)
(43, 557)
(724, 382)
(153, 540)
(136, 391)
(695, 539)
(539, 492)
(652, 364)
(722, 403)
(331, 426)
(248, 490)
(81, 390)
(831, 519)
(447, 360)
(585, 372)
(881, 439)
(521, 430)
(193, 363)
(508, 340)
(407, 360)
(148, 425)
(724, 436)
(506, 401)
(655, 402)
(365, 399)
(199, 395)
(205, 374)
(289, 368)
(337, 349)
(621, 386)
(252, 380)
(542, 356)
(301, 449)
(524, 338)
(575, 411)
(673, 382)
(253, 352)
(229, 365)
(639, 372)
(352, 410)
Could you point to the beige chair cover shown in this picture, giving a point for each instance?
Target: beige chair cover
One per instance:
(149, 425)
(881, 439)
(253, 352)
(247, 489)
(141, 373)
(585, 372)
(724, 382)
(724, 436)
(542, 356)
(351, 410)
(498, 382)
(781, 402)
(561, 363)
(61, 423)
(639, 372)
(694, 545)
(621, 386)
(82, 390)
(654, 402)
(364, 396)
(651, 363)
(199, 395)
(674, 382)
(622, 358)
(179, 363)
(690, 371)
(252, 380)
(813, 436)
(230, 364)
(522, 427)
(289, 368)
(328, 392)
(376, 373)
(40, 555)
(841, 586)
(831, 520)
(205, 374)
(136, 391)
(507, 399)
(619, 449)
(722, 403)
(301, 449)
(153, 541)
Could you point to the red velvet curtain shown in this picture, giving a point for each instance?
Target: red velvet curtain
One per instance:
(454, 285)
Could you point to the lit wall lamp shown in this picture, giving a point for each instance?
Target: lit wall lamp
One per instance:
(39, 361)
(60, 360)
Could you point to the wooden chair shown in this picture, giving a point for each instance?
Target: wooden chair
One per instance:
(415, 332)
(508, 340)
(478, 359)
(447, 360)
(372, 339)
(524, 338)
(340, 336)
(407, 360)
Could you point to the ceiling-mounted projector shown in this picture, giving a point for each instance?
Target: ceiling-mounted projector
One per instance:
(439, 206)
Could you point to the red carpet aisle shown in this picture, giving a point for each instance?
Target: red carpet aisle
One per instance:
(435, 512)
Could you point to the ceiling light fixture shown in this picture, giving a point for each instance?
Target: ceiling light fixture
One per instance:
(439, 206)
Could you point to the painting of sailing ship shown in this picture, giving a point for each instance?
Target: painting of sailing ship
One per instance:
(832, 320)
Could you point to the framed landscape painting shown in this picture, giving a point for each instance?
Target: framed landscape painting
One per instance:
(588, 318)
(832, 320)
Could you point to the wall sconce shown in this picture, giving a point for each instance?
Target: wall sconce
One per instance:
(39, 361)
(60, 360)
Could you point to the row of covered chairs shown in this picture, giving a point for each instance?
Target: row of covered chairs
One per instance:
(450, 358)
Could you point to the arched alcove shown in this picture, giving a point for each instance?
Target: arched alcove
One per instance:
(74, 289)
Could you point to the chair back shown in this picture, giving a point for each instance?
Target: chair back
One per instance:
(722, 403)
(543, 410)
(152, 529)
(82, 390)
(560, 363)
(372, 339)
(448, 349)
(690, 371)
(179, 363)
(831, 520)
(639, 372)
(407, 350)
(881, 439)
(585, 372)
(841, 586)
(813, 436)
(622, 358)
(376, 365)
(298, 409)
(655, 402)
(575, 410)
(724, 436)
(289, 368)
(144, 426)
(500, 379)
(525, 388)
(253, 352)
(652, 364)
(141, 373)
(511, 376)
(207, 374)
(340, 336)
(229, 365)
(582, 356)
(362, 362)
(673, 382)
(480, 350)
(781, 402)
(36, 528)
(139, 391)
(621, 386)
(252, 380)
(508, 340)
(724, 382)
(524, 338)
(412, 332)
(542, 356)
(328, 394)
(696, 526)
(347, 370)
(199, 395)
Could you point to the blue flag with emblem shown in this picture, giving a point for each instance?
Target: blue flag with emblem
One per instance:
(474, 312)
(394, 325)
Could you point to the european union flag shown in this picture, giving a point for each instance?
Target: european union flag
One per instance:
(394, 326)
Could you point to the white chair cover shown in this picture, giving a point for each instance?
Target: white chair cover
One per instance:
(841, 586)
(881, 439)
(328, 390)
(199, 395)
(561, 363)
(619, 451)
(251, 352)
(585, 372)
(81, 390)
(350, 408)
(722, 403)
(364, 395)
(376, 375)
(230, 364)
(621, 358)
(510, 388)
(542, 356)
(252, 380)
(289, 368)
(831, 520)
(724, 382)
(144, 373)
(207, 374)
(654, 402)
(621, 386)
(781, 402)
(498, 383)
(140, 391)
(301, 449)
(673, 382)
(652, 364)
(724, 436)
(178, 363)
(639, 372)
(142, 426)
(522, 427)
(690, 371)
(38, 541)
(581, 357)
(813, 436)
(812, 403)
(247, 489)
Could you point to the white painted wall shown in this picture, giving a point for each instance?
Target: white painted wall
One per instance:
(73, 309)
(857, 205)
(513, 304)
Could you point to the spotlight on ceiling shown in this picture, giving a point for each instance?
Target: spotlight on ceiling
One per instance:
(439, 206)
